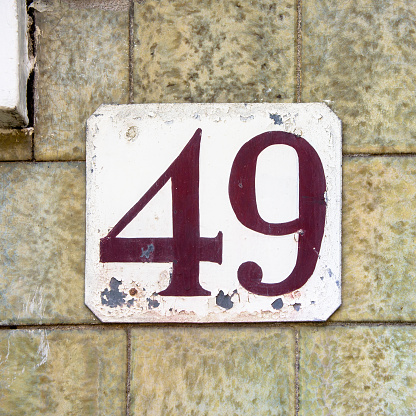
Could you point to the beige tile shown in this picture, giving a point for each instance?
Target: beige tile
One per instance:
(357, 371)
(379, 235)
(212, 371)
(214, 51)
(71, 372)
(360, 55)
(16, 144)
(42, 243)
(82, 62)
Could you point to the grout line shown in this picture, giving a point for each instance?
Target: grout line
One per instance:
(297, 359)
(33, 161)
(392, 154)
(32, 80)
(345, 155)
(128, 380)
(128, 326)
(299, 51)
(33, 147)
(62, 326)
(31, 44)
(131, 50)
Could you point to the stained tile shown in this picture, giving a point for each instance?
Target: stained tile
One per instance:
(379, 234)
(42, 243)
(16, 144)
(62, 372)
(360, 55)
(82, 62)
(357, 371)
(212, 371)
(214, 51)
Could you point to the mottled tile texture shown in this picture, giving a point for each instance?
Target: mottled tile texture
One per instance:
(42, 243)
(379, 235)
(360, 54)
(357, 371)
(82, 62)
(214, 51)
(212, 371)
(78, 372)
(16, 144)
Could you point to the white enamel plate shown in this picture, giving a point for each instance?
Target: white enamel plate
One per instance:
(213, 213)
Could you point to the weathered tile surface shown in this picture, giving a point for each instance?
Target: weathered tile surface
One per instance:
(360, 55)
(379, 235)
(16, 144)
(214, 51)
(42, 243)
(78, 372)
(357, 371)
(82, 62)
(212, 371)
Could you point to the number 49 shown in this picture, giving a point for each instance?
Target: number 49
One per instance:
(187, 248)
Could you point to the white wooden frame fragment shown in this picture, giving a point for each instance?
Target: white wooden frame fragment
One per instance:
(14, 63)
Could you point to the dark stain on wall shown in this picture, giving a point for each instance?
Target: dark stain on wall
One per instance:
(113, 297)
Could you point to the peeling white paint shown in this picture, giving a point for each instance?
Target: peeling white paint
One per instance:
(34, 303)
(43, 349)
(6, 357)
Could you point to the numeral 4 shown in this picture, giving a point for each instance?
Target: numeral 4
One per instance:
(187, 248)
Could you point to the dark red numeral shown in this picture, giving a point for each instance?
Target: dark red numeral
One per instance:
(312, 210)
(187, 248)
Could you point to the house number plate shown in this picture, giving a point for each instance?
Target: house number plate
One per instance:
(213, 213)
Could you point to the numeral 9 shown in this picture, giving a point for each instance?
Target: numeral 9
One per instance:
(312, 210)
